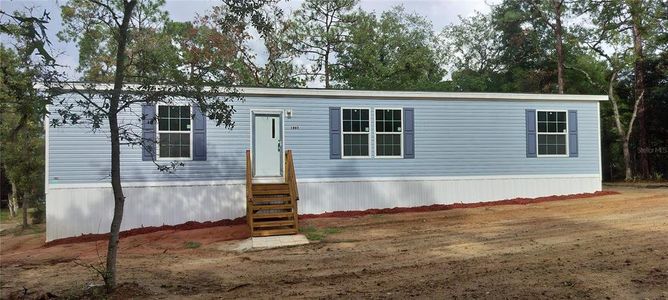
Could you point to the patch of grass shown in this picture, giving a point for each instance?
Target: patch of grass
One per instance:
(5, 217)
(18, 230)
(318, 234)
(192, 245)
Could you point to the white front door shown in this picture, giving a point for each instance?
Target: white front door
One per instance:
(267, 145)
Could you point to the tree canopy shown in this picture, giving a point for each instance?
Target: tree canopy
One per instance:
(393, 51)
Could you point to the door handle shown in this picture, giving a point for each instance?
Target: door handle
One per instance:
(279, 145)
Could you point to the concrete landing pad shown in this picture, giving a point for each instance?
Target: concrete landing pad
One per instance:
(269, 242)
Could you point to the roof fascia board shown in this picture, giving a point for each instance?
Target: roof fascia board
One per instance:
(399, 95)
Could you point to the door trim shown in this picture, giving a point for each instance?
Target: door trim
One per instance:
(267, 111)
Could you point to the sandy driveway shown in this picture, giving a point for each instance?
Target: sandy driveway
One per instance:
(611, 246)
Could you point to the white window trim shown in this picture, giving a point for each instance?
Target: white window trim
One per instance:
(157, 131)
(343, 133)
(565, 133)
(376, 133)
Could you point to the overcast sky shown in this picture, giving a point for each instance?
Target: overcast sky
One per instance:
(440, 12)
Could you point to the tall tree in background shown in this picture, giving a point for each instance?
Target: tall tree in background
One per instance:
(317, 30)
(641, 26)
(22, 107)
(629, 27)
(392, 52)
(96, 28)
(30, 29)
(228, 42)
(526, 42)
(21, 128)
(471, 49)
(118, 43)
(551, 13)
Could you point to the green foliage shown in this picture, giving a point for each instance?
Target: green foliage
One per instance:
(317, 233)
(628, 55)
(223, 42)
(192, 245)
(38, 214)
(5, 216)
(317, 30)
(92, 27)
(527, 49)
(29, 30)
(391, 52)
(471, 49)
(21, 130)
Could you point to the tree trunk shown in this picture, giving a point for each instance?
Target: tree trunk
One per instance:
(625, 135)
(639, 87)
(328, 23)
(628, 175)
(558, 35)
(11, 205)
(119, 198)
(25, 211)
(13, 202)
(327, 68)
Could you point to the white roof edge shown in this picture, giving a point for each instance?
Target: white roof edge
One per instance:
(416, 94)
(332, 93)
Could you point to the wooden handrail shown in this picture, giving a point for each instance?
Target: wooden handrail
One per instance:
(291, 180)
(249, 189)
(290, 176)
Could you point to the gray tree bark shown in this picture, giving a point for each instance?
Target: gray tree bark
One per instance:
(13, 202)
(119, 198)
(625, 134)
(25, 211)
(639, 87)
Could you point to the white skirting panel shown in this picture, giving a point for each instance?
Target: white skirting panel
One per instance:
(319, 197)
(79, 209)
(76, 211)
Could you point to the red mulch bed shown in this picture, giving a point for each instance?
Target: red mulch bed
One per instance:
(137, 231)
(437, 207)
(335, 214)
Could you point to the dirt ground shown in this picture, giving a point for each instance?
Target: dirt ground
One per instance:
(612, 246)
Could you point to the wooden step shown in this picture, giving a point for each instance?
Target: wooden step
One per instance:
(270, 232)
(269, 200)
(272, 206)
(273, 215)
(273, 224)
(270, 192)
(271, 189)
(269, 186)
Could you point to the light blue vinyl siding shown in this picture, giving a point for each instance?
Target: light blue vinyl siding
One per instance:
(452, 138)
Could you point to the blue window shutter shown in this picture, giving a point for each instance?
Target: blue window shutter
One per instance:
(199, 134)
(531, 132)
(148, 132)
(334, 132)
(409, 133)
(573, 133)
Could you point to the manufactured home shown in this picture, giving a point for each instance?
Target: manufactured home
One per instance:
(311, 151)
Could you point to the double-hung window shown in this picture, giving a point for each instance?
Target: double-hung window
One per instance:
(174, 132)
(355, 132)
(552, 133)
(389, 129)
